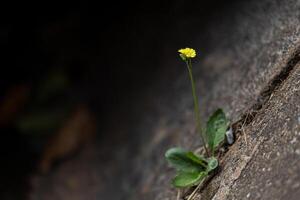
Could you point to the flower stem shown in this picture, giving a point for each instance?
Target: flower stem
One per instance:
(196, 104)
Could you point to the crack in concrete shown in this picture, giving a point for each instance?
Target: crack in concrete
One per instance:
(266, 94)
(225, 185)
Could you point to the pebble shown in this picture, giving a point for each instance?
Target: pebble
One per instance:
(248, 195)
(229, 136)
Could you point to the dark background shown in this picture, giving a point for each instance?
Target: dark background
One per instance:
(110, 51)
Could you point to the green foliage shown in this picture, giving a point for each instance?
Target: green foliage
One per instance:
(186, 179)
(197, 158)
(191, 168)
(184, 161)
(212, 164)
(215, 129)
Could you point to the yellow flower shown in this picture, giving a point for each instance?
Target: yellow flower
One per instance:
(187, 53)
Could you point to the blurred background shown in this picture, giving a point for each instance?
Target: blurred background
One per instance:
(71, 72)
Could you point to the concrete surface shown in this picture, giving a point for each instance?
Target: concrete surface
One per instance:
(241, 52)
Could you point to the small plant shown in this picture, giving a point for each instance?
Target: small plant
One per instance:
(191, 168)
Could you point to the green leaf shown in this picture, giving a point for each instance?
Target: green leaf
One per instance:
(216, 129)
(182, 161)
(196, 158)
(212, 164)
(186, 179)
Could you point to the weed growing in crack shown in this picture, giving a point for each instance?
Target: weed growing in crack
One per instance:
(192, 169)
